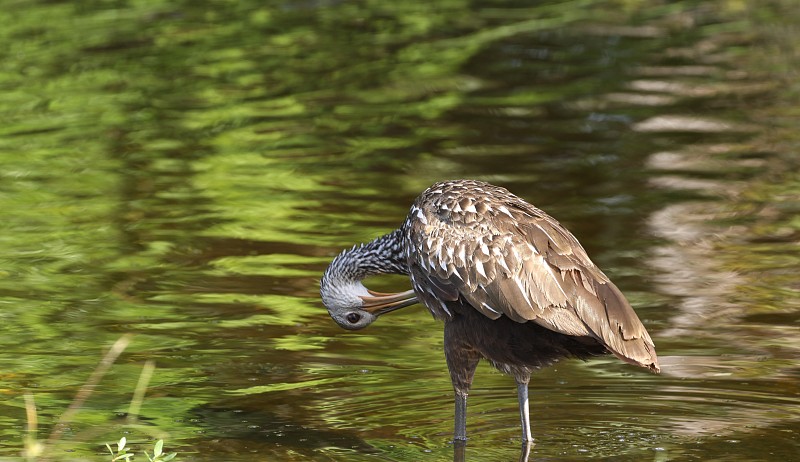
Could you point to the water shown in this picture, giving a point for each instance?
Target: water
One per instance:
(184, 172)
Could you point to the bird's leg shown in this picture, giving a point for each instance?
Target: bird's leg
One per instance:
(461, 375)
(526, 451)
(460, 425)
(524, 408)
(462, 361)
(460, 451)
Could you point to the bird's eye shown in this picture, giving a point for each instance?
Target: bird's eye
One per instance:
(353, 318)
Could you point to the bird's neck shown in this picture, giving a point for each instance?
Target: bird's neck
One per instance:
(384, 255)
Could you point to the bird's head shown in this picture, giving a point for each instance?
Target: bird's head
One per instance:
(352, 305)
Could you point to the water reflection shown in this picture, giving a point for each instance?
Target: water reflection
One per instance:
(184, 172)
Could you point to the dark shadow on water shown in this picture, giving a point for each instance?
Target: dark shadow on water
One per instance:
(241, 430)
(460, 451)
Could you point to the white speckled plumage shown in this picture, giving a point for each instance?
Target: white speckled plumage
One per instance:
(518, 260)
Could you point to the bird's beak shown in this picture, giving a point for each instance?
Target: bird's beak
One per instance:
(379, 303)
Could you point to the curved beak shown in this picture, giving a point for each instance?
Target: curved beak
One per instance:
(379, 303)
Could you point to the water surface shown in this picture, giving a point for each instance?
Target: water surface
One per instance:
(184, 171)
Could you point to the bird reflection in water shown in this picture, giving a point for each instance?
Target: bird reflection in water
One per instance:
(511, 284)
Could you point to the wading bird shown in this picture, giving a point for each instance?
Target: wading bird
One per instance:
(511, 284)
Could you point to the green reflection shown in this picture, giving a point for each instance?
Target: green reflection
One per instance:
(184, 171)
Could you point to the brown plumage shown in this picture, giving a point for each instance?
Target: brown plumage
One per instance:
(512, 285)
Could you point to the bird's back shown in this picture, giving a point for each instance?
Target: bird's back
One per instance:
(469, 243)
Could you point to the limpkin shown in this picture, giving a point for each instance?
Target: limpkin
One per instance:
(512, 285)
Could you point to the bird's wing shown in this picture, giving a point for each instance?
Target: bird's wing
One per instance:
(519, 262)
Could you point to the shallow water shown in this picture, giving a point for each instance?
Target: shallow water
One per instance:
(185, 171)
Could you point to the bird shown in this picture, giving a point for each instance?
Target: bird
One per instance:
(511, 284)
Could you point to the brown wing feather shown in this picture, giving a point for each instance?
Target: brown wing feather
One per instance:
(515, 260)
